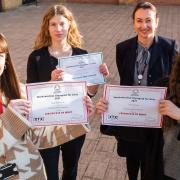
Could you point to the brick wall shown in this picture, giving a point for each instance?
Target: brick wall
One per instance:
(164, 2)
(95, 1)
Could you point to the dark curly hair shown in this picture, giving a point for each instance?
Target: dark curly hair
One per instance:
(173, 90)
(174, 83)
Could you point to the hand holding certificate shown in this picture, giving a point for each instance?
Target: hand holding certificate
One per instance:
(133, 106)
(57, 102)
(82, 68)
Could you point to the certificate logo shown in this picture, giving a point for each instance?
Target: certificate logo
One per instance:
(57, 89)
(135, 92)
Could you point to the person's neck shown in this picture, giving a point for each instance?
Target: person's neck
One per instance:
(146, 43)
(60, 46)
(60, 49)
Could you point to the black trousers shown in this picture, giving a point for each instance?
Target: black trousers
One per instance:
(145, 155)
(168, 178)
(133, 166)
(70, 156)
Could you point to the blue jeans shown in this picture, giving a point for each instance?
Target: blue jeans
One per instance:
(70, 155)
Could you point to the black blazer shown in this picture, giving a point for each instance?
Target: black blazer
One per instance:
(160, 65)
(41, 64)
(134, 142)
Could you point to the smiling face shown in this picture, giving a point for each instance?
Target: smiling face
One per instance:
(145, 24)
(58, 28)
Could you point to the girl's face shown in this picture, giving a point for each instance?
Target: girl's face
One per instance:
(145, 23)
(2, 62)
(58, 28)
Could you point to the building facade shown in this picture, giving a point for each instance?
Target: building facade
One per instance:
(164, 2)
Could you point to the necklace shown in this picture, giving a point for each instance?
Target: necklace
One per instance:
(140, 74)
(142, 60)
(60, 53)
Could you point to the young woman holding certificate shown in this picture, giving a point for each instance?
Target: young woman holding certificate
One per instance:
(141, 61)
(171, 109)
(19, 142)
(58, 37)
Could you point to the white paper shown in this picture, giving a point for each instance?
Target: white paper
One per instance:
(83, 68)
(133, 106)
(55, 103)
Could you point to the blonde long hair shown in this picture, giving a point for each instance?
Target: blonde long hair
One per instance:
(43, 39)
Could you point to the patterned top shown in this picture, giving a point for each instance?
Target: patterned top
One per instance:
(19, 143)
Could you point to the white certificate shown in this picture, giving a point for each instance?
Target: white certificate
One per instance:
(83, 68)
(133, 106)
(55, 103)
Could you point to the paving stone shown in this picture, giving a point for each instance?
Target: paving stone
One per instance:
(114, 174)
(96, 170)
(102, 27)
(106, 145)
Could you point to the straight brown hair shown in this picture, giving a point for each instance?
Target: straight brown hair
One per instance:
(8, 80)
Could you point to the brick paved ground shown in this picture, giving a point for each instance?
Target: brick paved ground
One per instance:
(102, 27)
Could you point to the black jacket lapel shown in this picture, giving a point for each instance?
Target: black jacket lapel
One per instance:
(156, 51)
(132, 60)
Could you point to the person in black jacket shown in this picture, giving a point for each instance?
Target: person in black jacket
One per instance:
(58, 37)
(141, 61)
